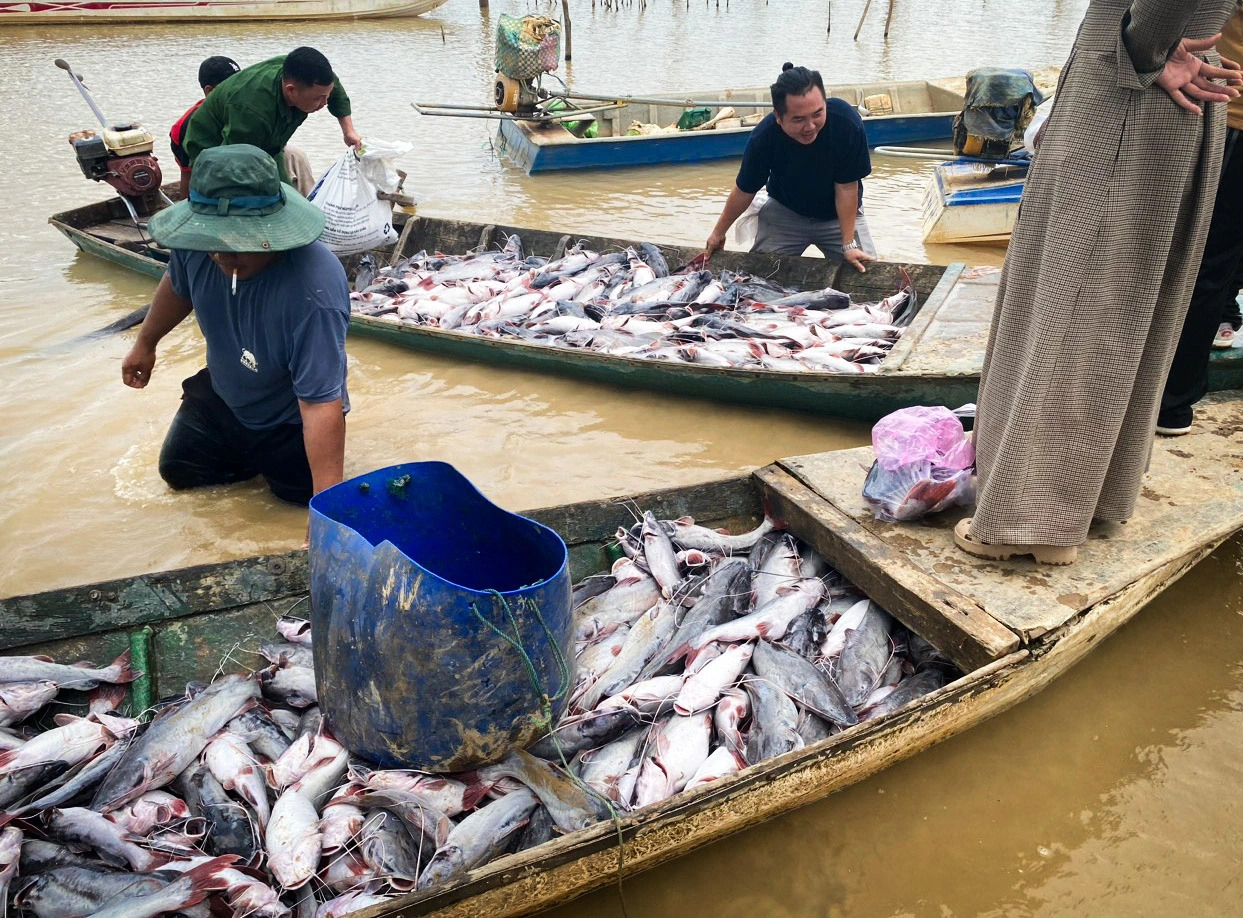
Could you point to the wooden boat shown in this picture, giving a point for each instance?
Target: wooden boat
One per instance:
(107, 230)
(936, 362)
(71, 12)
(1012, 628)
(972, 202)
(913, 111)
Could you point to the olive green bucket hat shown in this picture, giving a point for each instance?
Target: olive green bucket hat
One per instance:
(237, 204)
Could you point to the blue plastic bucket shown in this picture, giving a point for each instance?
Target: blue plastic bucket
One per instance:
(435, 615)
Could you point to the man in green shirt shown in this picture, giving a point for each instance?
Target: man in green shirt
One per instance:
(265, 103)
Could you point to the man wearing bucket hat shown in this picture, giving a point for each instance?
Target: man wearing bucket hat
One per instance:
(273, 306)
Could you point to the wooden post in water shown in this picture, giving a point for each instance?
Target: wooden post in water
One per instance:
(862, 16)
(829, 30)
(565, 17)
(889, 18)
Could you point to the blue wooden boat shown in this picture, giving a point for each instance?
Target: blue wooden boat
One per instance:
(967, 201)
(915, 111)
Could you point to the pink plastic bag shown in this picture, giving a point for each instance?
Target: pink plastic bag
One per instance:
(924, 463)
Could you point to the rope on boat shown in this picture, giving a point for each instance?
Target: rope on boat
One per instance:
(546, 719)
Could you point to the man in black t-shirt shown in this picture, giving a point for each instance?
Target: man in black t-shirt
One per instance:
(812, 153)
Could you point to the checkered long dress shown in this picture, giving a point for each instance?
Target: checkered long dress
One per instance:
(1097, 279)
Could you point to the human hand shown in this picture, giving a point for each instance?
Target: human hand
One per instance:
(858, 259)
(137, 366)
(353, 139)
(1186, 78)
(715, 243)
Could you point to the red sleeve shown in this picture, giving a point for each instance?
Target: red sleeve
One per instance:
(177, 136)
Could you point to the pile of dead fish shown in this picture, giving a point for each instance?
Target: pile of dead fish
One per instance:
(629, 304)
(698, 654)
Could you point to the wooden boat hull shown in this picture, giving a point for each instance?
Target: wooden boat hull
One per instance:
(937, 361)
(914, 111)
(76, 12)
(525, 145)
(183, 619)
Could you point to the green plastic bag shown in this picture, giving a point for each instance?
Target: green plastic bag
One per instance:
(693, 118)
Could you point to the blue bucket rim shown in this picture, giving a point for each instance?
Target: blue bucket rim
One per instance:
(565, 551)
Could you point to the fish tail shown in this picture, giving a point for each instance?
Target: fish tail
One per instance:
(124, 668)
(206, 879)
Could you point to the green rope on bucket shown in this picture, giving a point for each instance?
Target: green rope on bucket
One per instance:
(546, 700)
(563, 666)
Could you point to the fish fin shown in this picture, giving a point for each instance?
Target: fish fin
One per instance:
(124, 666)
(117, 726)
(105, 698)
(685, 521)
(63, 720)
(778, 523)
(476, 790)
(44, 658)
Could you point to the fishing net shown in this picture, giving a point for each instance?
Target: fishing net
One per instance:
(527, 46)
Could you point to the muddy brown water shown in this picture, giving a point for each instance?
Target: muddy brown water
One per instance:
(1113, 793)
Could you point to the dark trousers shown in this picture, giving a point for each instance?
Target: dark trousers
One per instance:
(1214, 298)
(207, 445)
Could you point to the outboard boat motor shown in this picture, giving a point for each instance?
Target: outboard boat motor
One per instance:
(120, 155)
(527, 47)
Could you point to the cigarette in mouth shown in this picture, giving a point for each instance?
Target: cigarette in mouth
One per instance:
(235, 280)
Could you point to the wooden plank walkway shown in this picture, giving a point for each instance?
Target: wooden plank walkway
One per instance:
(1193, 494)
(954, 338)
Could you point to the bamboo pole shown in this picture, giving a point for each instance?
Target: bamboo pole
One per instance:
(862, 16)
(565, 17)
(889, 18)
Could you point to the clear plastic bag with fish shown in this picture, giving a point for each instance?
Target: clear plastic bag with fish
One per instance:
(355, 219)
(925, 463)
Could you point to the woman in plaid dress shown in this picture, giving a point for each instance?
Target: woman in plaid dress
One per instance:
(1098, 276)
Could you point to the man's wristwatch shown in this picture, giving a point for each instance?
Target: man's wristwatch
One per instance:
(850, 246)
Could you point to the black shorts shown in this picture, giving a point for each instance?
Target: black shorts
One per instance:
(207, 445)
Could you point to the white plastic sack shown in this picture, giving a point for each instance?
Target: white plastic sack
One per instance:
(747, 227)
(377, 163)
(355, 219)
(1043, 111)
